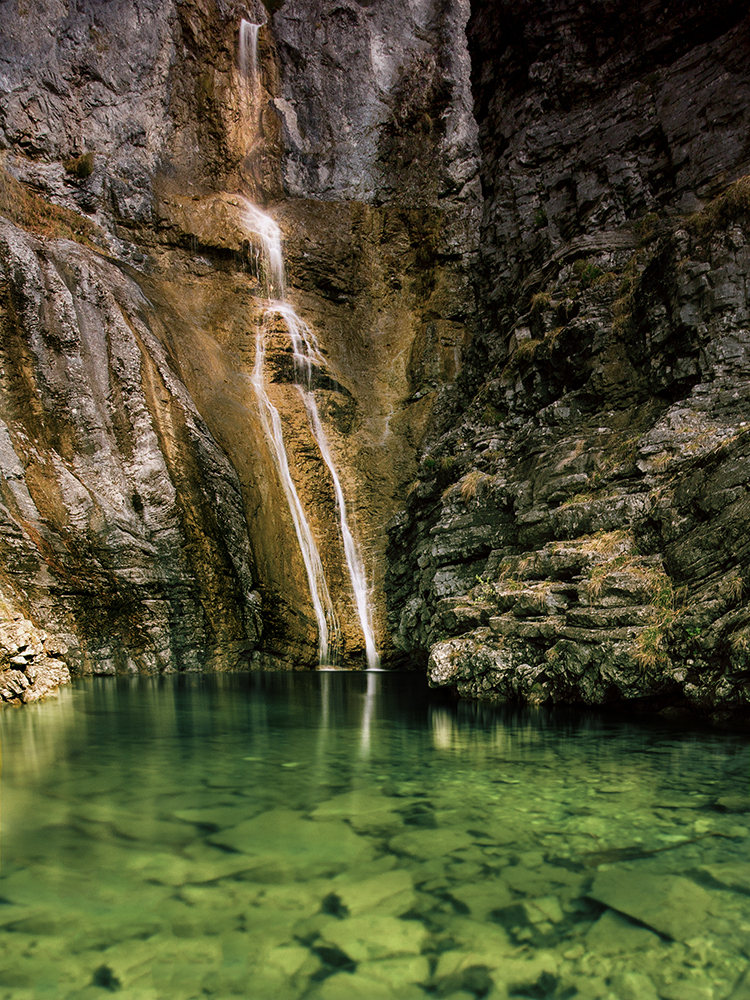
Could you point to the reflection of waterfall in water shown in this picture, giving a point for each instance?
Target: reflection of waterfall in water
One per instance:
(307, 359)
(368, 712)
(248, 54)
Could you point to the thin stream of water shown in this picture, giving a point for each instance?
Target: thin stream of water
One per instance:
(325, 615)
(307, 357)
(248, 51)
(353, 561)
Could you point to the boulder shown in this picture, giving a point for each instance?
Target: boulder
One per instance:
(673, 906)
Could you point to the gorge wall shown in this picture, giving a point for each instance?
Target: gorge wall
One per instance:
(144, 523)
(578, 528)
(519, 237)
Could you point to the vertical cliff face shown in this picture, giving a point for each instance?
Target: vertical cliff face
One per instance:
(381, 220)
(144, 519)
(124, 526)
(524, 263)
(576, 531)
(123, 519)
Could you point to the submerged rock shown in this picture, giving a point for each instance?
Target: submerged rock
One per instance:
(297, 845)
(373, 936)
(670, 904)
(613, 933)
(734, 803)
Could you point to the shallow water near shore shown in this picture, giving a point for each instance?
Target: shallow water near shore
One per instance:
(347, 835)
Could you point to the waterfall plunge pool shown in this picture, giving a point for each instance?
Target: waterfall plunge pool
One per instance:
(353, 836)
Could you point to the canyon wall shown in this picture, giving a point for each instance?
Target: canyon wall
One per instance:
(518, 236)
(578, 527)
(144, 524)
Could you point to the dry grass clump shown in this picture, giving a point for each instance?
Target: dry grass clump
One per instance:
(32, 212)
(622, 307)
(611, 543)
(732, 587)
(540, 301)
(551, 336)
(740, 641)
(470, 485)
(526, 350)
(79, 167)
(587, 272)
(523, 355)
(730, 206)
(619, 554)
(650, 648)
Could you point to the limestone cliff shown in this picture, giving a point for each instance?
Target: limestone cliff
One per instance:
(521, 248)
(578, 527)
(143, 519)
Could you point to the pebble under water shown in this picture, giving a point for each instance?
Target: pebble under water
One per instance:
(351, 836)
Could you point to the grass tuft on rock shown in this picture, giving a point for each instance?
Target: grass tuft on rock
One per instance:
(30, 211)
(729, 207)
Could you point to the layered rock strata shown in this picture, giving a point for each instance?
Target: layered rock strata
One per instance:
(32, 664)
(578, 528)
(143, 518)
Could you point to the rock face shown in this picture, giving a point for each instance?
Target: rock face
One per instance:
(143, 516)
(123, 521)
(31, 664)
(577, 528)
(375, 102)
(524, 259)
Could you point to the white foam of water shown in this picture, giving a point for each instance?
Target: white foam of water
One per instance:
(306, 355)
(262, 225)
(353, 561)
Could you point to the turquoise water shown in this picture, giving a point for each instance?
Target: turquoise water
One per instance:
(341, 836)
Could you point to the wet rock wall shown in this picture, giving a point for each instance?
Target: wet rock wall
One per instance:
(576, 530)
(144, 521)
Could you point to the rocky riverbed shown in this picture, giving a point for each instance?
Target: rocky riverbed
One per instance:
(371, 854)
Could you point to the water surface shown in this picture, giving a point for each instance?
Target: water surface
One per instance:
(337, 836)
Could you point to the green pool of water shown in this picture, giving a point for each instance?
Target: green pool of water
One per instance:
(343, 836)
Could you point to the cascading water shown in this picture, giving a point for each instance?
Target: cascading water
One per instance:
(306, 354)
(248, 51)
(307, 358)
(328, 635)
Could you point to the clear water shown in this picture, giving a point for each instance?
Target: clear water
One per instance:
(336, 836)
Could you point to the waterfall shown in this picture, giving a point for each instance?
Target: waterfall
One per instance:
(262, 225)
(307, 357)
(248, 54)
(321, 599)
